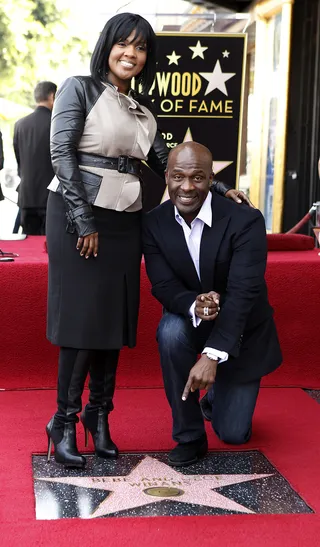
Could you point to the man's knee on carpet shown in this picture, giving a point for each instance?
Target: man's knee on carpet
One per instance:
(230, 434)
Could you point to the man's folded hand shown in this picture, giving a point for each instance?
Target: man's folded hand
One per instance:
(207, 306)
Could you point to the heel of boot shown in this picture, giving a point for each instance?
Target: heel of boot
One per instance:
(85, 429)
(49, 447)
(49, 427)
(86, 436)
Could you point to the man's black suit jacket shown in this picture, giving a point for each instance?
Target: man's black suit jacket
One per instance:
(233, 255)
(31, 143)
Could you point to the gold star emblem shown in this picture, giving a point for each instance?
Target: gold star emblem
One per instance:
(173, 58)
(198, 50)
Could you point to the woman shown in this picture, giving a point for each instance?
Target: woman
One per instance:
(101, 131)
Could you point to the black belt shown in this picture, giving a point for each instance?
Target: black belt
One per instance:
(123, 164)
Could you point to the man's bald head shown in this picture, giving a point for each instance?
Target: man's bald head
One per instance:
(191, 149)
(189, 177)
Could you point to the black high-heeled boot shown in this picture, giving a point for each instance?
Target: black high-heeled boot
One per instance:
(103, 366)
(61, 430)
(63, 438)
(96, 422)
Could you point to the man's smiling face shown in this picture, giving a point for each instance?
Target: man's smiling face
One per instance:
(189, 177)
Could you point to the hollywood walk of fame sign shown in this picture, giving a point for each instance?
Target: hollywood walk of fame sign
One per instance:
(198, 92)
(145, 485)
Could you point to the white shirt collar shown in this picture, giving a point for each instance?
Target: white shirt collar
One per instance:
(205, 213)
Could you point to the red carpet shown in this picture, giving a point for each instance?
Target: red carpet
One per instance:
(28, 360)
(286, 430)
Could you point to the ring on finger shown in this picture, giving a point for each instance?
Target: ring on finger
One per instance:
(206, 311)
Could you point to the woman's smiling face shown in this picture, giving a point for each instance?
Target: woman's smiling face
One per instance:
(126, 60)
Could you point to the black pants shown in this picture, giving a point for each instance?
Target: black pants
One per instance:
(33, 221)
(232, 403)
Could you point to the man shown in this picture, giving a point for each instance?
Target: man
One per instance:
(206, 258)
(31, 142)
(1, 163)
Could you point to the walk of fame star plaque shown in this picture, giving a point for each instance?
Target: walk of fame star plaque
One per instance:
(143, 485)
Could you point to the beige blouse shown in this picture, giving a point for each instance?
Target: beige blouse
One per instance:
(117, 125)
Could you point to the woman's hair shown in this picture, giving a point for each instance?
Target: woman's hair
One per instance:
(119, 28)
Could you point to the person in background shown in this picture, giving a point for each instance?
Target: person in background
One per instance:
(101, 132)
(31, 143)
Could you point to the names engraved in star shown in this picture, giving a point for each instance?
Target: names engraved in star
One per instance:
(146, 482)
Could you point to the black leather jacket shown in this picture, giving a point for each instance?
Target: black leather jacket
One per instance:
(72, 105)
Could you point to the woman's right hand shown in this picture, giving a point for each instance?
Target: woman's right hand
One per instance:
(88, 245)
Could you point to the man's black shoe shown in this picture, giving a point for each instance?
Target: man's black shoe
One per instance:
(206, 408)
(188, 453)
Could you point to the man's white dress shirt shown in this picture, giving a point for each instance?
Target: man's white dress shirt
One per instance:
(193, 237)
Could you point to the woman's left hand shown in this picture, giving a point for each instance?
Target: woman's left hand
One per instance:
(238, 197)
(88, 245)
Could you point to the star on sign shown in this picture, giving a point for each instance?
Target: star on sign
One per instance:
(150, 478)
(226, 53)
(218, 166)
(198, 50)
(173, 58)
(217, 79)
